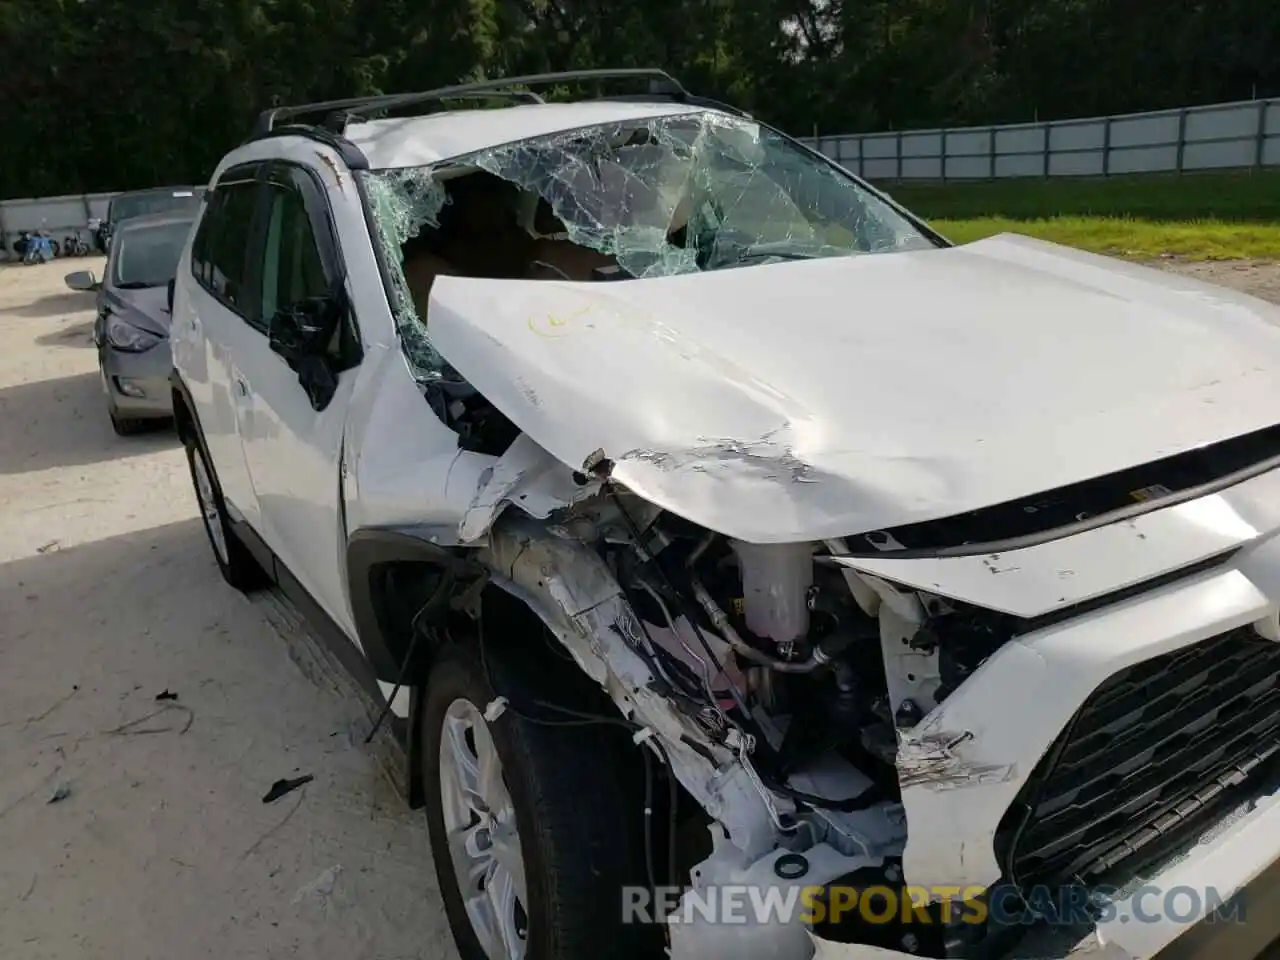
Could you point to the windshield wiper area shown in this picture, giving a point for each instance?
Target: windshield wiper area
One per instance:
(754, 256)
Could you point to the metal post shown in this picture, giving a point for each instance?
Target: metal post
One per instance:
(943, 169)
(1259, 148)
(1044, 160)
(991, 153)
(1182, 137)
(898, 178)
(862, 170)
(1106, 146)
(4, 236)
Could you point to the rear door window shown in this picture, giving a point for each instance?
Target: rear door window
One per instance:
(221, 256)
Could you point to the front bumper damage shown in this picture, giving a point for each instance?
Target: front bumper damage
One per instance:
(1239, 864)
(966, 763)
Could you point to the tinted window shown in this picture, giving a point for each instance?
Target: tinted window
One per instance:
(148, 256)
(292, 270)
(218, 255)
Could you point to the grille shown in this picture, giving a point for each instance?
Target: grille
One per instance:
(1151, 757)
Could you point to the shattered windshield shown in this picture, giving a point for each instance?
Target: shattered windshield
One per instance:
(641, 198)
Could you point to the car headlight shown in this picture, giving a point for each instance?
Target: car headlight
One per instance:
(125, 336)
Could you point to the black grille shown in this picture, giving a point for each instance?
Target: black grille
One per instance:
(1150, 758)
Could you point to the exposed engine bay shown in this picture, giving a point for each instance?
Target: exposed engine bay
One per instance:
(779, 665)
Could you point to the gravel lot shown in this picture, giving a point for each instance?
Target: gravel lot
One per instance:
(162, 846)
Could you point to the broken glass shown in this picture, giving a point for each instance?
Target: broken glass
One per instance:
(670, 195)
(402, 203)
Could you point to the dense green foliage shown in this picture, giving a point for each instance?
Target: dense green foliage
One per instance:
(112, 94)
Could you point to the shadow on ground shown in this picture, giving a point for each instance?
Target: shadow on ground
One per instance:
(78, 335)
(54, 305)
(63, 422)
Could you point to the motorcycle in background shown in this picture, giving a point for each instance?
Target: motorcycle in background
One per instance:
(74, 245)
(98, 235)
(37, 248)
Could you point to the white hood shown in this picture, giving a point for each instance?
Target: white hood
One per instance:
(824, 398)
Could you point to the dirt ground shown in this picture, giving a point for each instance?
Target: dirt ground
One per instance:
(132, 833)
(162, 846)
(1258, 277)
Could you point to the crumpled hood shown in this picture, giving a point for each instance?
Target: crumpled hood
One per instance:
(147, 309)
(815, 399)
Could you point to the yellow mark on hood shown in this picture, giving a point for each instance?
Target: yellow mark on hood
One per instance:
(555, 325)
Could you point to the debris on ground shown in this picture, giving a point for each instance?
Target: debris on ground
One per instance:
(284, 787)
(60, 793)
(166, 695)
(134, 728)
(321, 887)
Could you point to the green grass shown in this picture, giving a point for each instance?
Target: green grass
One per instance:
(1195, 216)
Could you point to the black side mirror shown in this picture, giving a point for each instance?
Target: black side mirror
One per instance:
(172, 282)
(303, 329)
(301, 334)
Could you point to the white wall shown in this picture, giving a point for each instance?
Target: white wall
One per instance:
(1214, 137)
(59, 216)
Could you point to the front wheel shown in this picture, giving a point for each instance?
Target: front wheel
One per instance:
(236, 564)
(535, 830)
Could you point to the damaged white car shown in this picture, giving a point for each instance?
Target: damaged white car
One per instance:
(713, 525)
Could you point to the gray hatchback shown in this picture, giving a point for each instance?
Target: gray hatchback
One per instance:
(132, 328)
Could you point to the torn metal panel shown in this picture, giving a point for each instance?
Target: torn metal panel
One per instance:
(528, 477)
(571, 589)
(1040, 579)
(1019, 700)
(936, 759)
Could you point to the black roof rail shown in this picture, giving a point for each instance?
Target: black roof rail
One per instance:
(339, 112)
(351, 155)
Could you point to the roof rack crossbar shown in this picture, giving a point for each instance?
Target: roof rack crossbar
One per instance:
(661, 83)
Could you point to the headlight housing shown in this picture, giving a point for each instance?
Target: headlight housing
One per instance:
(124, 336)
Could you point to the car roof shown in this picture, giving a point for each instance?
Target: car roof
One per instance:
(149, 221)
(152, 191)
(422, 140)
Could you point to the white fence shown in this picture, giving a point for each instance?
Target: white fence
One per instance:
(1214, 137)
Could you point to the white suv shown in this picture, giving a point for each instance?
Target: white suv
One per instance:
(743, 545)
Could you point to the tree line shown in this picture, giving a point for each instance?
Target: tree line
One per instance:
(118, 94)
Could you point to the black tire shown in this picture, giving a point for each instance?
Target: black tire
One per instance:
(577, 808)
(56, 248)
(237, 565)
(128, 426)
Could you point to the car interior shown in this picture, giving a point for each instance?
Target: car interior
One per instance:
(491, 228)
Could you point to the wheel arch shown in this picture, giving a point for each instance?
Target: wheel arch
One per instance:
(185, 421)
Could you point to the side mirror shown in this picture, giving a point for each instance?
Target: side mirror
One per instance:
(303, 330)
(301, 334)
(172, 282)
(82, 281)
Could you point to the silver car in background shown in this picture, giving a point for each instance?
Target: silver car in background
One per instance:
(132, 328)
